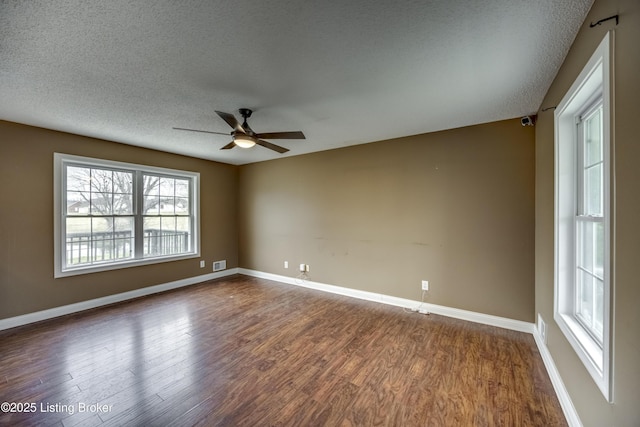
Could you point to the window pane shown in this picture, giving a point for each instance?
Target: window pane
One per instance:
(152, 223)
(101, 181)
(78, 191)
(183, 224)
(152, 237)
(78, 226)
(598, 316)
(101, 239)
(123, 235)
(123, 193)
(183, 230)
(182, 206)
(100, 226)
(172, 241)
(166, 205)
(591, 247)
(585, 245)
(101, 203)
(168, 225)
(123, 204)
(593, 190)
(77, 203)
(78, 178)
(151, 205)
(167, 187)
(122, 248)
(101, 188)
(182, 188)
(122, 182)
(593, 137)
(101, 192)
(78, 241)
(590, 303)
(123, 225)
(151, 185)
(112, 239)
(599, 250)
(585, 297)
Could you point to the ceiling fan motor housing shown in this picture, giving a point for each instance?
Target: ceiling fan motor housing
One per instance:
(245, 113)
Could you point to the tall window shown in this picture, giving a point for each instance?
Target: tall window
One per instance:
(112, 215)
(583, 282)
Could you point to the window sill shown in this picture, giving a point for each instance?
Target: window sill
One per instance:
(76, 271)
(587, 349)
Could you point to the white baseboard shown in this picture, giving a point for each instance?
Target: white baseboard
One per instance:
(487, 319)
(569, 410)
(38, 316)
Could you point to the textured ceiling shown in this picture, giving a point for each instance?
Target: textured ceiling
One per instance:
(343, 72)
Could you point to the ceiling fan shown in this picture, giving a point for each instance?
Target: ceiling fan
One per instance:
(243, 136)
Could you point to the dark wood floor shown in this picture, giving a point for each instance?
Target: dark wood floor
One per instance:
(249, 352)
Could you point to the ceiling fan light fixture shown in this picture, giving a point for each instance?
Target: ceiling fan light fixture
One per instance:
(244, 141)
(244, 137)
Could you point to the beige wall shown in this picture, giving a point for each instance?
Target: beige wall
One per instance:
(26, 220)
(455, 208)
(589, 402)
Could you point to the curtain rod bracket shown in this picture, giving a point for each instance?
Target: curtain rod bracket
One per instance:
(591, 25)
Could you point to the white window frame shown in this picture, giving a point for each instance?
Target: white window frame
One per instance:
(59, 195)
(595, 79)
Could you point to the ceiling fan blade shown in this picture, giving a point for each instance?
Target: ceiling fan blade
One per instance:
(281, 135)
(271, 146)
(202, 131)
(229, 145)
(231, 121)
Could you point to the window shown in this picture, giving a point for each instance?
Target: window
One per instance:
(583, 217)
(112, 215)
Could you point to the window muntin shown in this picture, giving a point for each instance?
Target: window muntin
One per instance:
(114, 215)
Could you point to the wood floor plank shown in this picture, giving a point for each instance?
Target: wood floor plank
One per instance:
(247, 351)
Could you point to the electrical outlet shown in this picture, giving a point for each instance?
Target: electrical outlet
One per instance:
(286, 264)
(306, 268)
(542, 329)
(202, 264)
(425, 285)
(303, 268)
